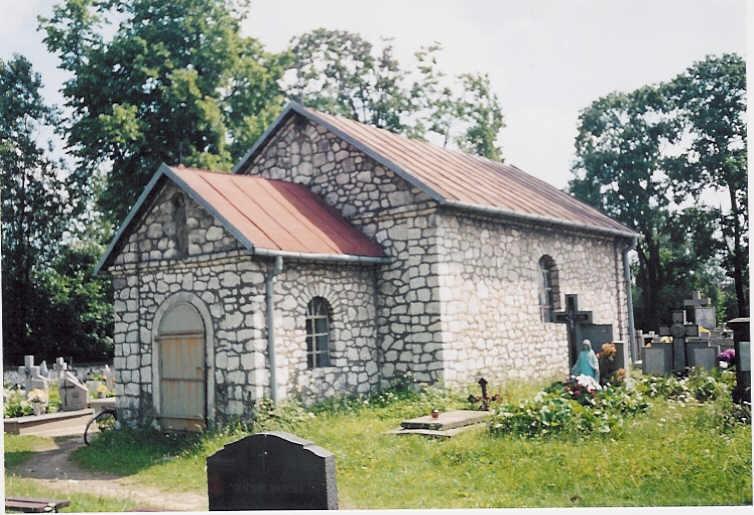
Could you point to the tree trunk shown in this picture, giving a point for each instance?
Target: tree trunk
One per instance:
(738, 257)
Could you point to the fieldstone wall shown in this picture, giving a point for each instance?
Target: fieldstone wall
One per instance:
(396, 215)
(155, 235)
(489, 286)
(228, 287)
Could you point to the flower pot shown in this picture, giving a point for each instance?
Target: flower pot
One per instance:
(38, 407)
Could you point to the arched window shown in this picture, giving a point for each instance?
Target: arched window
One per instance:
(318, 333)
(181, 231)
(549, 295)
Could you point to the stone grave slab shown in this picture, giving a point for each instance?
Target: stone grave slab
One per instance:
(271, 471)
(447, 420)
(657, 360)
(705, 357)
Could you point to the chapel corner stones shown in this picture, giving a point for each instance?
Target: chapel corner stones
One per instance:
(422, 284)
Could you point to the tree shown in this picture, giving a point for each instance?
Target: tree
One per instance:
(710, 97)
(642, 156)
(342, 73)
(176, 82)
(33, 200)
(620, 170)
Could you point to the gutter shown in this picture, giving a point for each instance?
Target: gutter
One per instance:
(539, 219)
(331, 258)
(269, 283)
(633, 344)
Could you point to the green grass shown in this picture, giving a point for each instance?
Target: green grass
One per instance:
(19, 448)
(20, 487)
(674, 455)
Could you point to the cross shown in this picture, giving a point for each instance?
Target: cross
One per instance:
(572, 317)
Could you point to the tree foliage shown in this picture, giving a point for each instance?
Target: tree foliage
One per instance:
(641, 154)
(342, 73)
(39, 314)
(710, 97)
(175, 83)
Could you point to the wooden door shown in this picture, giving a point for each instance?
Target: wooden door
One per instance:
(182, 380)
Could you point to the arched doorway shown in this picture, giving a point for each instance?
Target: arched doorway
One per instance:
(182, 369)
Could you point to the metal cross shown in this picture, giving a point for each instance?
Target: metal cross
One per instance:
(572, 317)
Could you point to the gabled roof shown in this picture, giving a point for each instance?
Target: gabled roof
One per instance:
(268, 217)
(454, 178)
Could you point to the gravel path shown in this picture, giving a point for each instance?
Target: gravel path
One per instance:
(54, 468)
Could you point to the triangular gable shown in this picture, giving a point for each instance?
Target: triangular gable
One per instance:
(163, 171)
(267, 217)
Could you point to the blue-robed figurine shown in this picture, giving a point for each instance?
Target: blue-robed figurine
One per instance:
(586, 364)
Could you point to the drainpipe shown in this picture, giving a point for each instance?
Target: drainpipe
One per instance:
(630, 304)
(269, 283)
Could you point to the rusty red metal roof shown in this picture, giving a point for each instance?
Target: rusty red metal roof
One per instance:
(268, 217)
(277, 215)
(456, 178)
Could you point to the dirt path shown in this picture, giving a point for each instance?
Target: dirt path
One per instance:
(54, 468)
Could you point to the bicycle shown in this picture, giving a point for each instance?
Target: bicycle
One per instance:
(104, 421)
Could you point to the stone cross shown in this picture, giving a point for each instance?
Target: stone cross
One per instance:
(572, 317)
(31, 374)
(60, 367)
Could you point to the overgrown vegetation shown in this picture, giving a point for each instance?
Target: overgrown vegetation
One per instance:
(665, 454)
(575, 410)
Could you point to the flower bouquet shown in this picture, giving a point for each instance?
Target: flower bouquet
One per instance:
(727, 358)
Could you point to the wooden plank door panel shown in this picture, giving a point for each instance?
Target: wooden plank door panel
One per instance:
(182, 381)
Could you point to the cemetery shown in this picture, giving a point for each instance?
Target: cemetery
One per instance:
(312, 276)
(55, 401)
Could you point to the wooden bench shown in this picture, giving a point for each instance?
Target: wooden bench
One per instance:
(27, 505)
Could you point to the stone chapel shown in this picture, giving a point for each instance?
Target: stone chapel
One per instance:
(338, 257)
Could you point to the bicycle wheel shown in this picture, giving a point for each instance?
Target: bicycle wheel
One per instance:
(103, 421)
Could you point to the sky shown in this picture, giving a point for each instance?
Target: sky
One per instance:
(546, 59)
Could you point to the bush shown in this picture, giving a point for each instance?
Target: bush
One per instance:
(569, 409)
(16, 405)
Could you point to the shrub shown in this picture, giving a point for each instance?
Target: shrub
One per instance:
(569, 408)
(16, 405)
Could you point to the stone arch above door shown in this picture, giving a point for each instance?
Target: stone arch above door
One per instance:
(163, 315)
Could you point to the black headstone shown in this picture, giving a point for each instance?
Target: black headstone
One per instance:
(271, 471)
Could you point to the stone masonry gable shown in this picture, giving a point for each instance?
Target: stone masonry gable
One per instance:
(153, 237)
(309, 154)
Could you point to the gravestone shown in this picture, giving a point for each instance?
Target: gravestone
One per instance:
(741, 337)
(60, 367)
(704, 357)
(73, 394)
(657, 360)
(271, 471)
(678, 331)
(43, 370)
(701, 311)
(33, 379)
(109, 378)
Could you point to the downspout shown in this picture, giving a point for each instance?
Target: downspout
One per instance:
(630, 303)
(269, 284)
